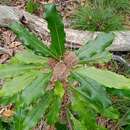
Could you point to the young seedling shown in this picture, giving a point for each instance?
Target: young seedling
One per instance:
(57, 85)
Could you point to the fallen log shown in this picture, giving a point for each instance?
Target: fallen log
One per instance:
(74, 38)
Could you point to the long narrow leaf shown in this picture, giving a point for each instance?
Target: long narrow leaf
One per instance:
(28, 57)
(29, 39)
(37, 112)
(104, 77)
(93, 90)
(54, 109)
(36, 89)
(85, 109)
(7, 70)
(84, 112)
(84, 98)
(17, 84)
(95, 50)
(56, 29)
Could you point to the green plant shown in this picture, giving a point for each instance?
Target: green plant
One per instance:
(102, 15)
(97, 19)
(32, 6)
(52, 83)
(119, 6)
(122, 6)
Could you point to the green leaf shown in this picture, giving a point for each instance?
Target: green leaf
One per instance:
(104, 77)
(92, 89)
(36, 89)
(29, 57)
(32, 6)
(119, 92)
(59, 89)
(60, 126)
(84, 98)
(101, 58)
(84, 112)
(127, 127)
(76, 123)
(29, 39)
(17, 84)
(37, 112)
(56, 28)
(111, 113)
(95, 50)
(8, 70)
(54, 109)
(20, 114)
(101, 128)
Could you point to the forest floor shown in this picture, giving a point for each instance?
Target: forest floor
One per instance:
(12, 45)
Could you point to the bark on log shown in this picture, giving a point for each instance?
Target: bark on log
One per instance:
(74, 38)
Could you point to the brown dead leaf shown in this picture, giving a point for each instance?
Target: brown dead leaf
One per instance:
(4, 58)
(9, 44)
(107, 123)
(8, 113)
(60, 72)
(70, 59)
(15, 44)
(8, 37)
(52, 63)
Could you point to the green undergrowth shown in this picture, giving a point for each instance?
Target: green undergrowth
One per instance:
(102, 15)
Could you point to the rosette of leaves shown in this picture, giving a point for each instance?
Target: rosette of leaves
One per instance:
(97, 19)
(57, 85)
